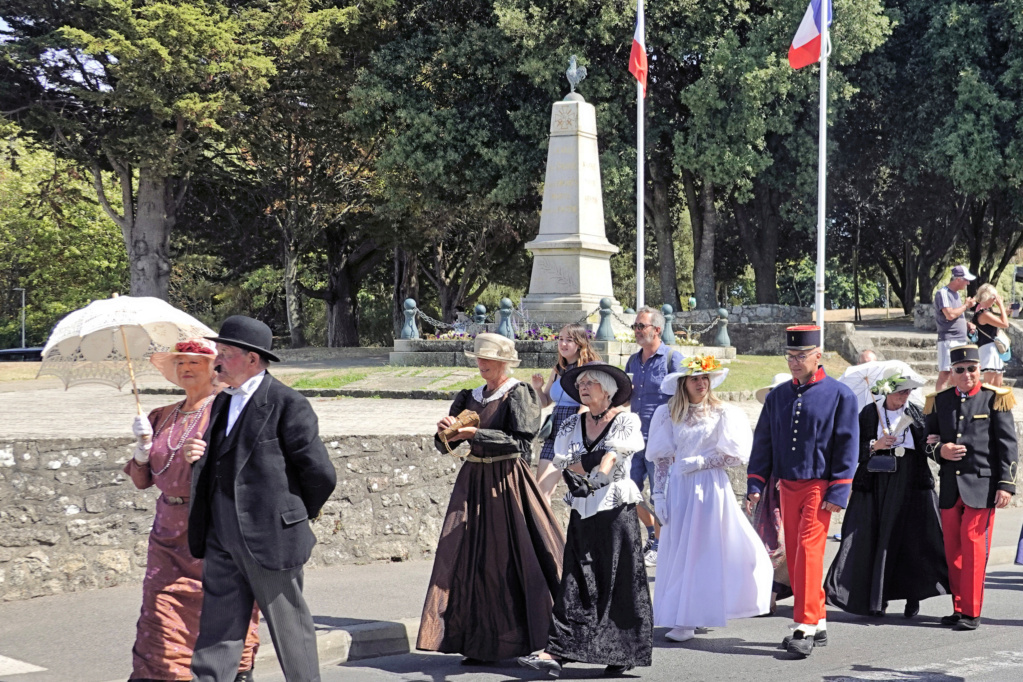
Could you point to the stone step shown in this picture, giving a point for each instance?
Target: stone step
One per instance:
(903, 341)
(907, 354)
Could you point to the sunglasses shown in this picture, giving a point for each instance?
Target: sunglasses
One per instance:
(796, 358)
(639, 326)
(971, 369)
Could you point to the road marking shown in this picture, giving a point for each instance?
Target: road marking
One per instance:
(10, 666)
(963, 668)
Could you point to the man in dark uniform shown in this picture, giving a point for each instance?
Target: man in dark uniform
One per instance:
(807, 437)
(972, 437)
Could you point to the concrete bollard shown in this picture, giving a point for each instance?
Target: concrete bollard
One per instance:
(605, 332)
(721, 338)
(409, 330)
(668, 333)
(480, 316)
(504, 313)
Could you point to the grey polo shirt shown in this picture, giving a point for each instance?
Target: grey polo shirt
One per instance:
(949, 330)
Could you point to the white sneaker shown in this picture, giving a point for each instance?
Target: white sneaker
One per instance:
(680, 634)
(650, 558)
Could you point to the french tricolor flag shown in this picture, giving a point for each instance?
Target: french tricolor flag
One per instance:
(637, 58)
(806, 46)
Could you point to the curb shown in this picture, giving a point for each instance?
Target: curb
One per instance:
(356, 642)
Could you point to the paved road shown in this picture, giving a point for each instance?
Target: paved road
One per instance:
(891, 648)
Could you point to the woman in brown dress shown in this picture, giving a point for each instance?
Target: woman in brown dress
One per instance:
(498, 562)
(172, 588)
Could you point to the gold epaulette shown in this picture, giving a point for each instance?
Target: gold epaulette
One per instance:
(929, 402)
(1004, 399)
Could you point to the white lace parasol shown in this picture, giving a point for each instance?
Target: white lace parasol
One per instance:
(88, 346)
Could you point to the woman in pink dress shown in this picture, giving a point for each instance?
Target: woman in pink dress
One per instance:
(172, 589)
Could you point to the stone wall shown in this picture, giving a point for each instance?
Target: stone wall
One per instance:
(923, 317)
(746, 314)
(71, 520)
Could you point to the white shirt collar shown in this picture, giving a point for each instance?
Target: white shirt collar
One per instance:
(247, 388)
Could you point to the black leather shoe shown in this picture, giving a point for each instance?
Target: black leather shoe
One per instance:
(820, 638)
(967, 623)
(951, 620)
(799, 644)
(912, 608)
(616, 670)
(245, 676)
(547, 665)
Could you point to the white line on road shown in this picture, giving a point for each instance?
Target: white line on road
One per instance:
(10, 666)
(964, 668)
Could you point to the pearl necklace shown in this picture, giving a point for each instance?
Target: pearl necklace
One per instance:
(191, 421)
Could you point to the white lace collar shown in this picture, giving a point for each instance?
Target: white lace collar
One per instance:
(477, 393)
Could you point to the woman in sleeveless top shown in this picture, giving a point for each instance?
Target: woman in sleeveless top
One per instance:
(498, 561)
(172, 587)
(574, 349)
(990, 316)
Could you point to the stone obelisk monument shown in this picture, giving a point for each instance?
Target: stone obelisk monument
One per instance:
(571, 254)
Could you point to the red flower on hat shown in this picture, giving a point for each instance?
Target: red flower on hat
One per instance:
(197, 346)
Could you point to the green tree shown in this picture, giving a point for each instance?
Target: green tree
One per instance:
(55, 241)
(141, 88)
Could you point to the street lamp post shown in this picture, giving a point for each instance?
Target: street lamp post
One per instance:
(22, 290)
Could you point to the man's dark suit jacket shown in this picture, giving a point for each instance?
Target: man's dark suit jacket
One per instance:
(989, 435)
(282, 475)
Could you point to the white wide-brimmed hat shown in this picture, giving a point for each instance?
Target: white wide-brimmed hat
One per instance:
(494, 347)
(892, 380)
(779, 379)
(200, 348)
(695, 366)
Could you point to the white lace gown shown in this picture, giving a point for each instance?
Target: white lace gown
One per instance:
(711, 565)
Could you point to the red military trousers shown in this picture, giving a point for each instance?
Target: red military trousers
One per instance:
(806, 533)
(967, 532)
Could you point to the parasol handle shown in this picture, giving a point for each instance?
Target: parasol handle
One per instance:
(880, 417)
(131, 370)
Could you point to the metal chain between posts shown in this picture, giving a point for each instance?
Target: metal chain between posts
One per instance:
(702, 331)
(437, 324)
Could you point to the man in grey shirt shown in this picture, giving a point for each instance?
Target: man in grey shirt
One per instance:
(953, 329)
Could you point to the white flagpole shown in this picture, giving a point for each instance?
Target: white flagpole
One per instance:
(640, 173)
(822, 167)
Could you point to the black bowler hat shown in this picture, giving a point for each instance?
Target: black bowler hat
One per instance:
(805, 337)
(247, 334)
(621, 379)
(965, 353)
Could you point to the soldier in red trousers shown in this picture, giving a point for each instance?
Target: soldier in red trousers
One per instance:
(807, 438)
(972, 436)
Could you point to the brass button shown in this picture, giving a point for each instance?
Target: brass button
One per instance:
(957, 473)
(793, 447)
(959, 435)
(793, 440)
(960, 416)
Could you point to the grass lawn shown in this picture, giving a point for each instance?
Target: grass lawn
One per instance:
(18, 371)
(325, 379)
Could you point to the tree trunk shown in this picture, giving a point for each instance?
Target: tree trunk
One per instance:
(758, 226)
(658, 209)
(148, 235)
(342, 310)
(703, 271)
(292, 295)
(406, 285)
(856, 268)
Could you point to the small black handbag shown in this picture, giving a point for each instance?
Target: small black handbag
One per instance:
(882, 464)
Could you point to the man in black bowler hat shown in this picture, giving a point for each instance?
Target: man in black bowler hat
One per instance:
(972, 436)
(260, 473)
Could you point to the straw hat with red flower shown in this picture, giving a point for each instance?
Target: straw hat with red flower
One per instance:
(202, 348)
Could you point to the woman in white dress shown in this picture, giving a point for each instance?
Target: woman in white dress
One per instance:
(712, 566)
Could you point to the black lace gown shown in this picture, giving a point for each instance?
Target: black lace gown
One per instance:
(603, 613)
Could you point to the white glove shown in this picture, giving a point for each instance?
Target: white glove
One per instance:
(660, 507)
(690, 464)
(143, 432)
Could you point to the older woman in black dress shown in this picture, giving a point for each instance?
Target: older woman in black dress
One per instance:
(603, 612)
(498, 563)
(892, 546)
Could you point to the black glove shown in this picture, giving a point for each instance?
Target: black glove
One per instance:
(578, 486)
(598, 479)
